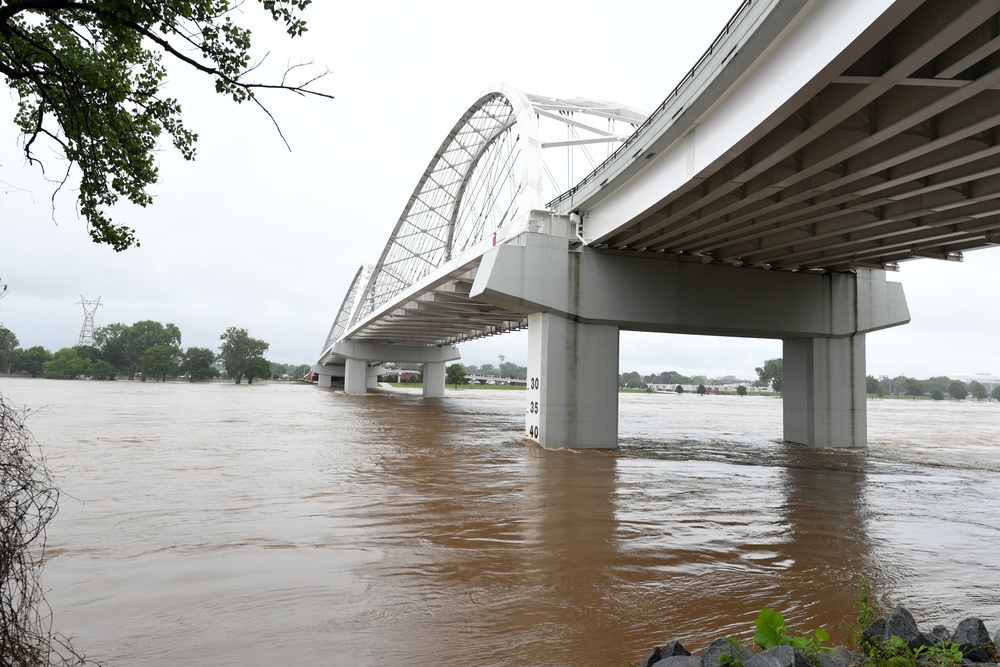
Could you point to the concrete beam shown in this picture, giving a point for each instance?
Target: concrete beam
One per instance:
(354, 349)
(537, 273)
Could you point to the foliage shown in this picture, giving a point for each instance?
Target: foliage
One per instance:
(937, 395)
(939, 382)
(866, 611)
(897, 384)
(996, 393)
(771, 373)
(730, 657)
(259, 367)
(238, 350)
(871, 385)
(122, 345)
(913, 388)
(977, 390)
(771, 632)
(160, 362)
(675, 378)
(88, 79)
(741, 390)
(8, 343)
(631, 380)
(88, 352)
(29, 361)
(455, 374)
(958, 390)
(28, 502)
(702, 390)
(66, 364)
(880, 390)
(679, 389)
(293, 371)
(197, 364)
(509, 369)
(897, 653)
(102, 370)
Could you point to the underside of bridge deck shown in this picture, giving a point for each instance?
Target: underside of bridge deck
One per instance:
(889, 151)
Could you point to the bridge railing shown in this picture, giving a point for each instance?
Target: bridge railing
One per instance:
(674, 94)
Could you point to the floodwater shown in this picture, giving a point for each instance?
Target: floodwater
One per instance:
(289, 525)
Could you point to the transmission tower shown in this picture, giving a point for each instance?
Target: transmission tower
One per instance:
(87, 330)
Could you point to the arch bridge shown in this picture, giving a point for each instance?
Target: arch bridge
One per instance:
(815, 146)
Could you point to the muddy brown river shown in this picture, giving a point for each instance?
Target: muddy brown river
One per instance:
(288, 525)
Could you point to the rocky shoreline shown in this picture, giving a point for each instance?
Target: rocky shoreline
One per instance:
(971, 636)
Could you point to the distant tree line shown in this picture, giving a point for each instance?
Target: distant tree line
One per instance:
(635, 380)
(938, 388)
(507, 369)
(146, 349)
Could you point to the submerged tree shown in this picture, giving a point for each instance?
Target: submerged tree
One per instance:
(958, 390)
(771, 373)
(912, 387)
(160, 362)
(259, 367)
(978, 390)
(28, 501)
(30, 361)
(455, 374)
(198, 364)
(8, 343)
(239, 352)
(88, 77)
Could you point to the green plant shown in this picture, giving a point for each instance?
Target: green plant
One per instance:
(866, 611)
(731, 659)
(771, 632)
(944, 654)
(897, 653)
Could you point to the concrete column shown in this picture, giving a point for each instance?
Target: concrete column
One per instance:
(434, 378)
(325, 380)
(355, 376)
(572, 397)
(823, 391)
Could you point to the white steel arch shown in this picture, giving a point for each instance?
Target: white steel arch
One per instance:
(486, 177)
(348, 306)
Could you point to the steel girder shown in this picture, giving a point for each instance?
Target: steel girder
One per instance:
(895, 156)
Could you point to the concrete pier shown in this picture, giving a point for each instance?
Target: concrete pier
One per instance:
(362, 365)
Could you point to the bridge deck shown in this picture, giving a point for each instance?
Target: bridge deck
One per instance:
(889, 152)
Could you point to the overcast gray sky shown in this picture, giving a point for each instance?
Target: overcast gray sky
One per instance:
(255, 236)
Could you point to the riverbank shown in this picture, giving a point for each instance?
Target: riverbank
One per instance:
(893, 641)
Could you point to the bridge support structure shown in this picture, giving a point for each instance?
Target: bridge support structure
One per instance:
(572, 382)
(578, 300)
(361, 368)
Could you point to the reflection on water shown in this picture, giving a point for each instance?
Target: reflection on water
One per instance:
(274, 524)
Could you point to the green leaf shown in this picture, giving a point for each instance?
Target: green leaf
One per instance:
(770, 626)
